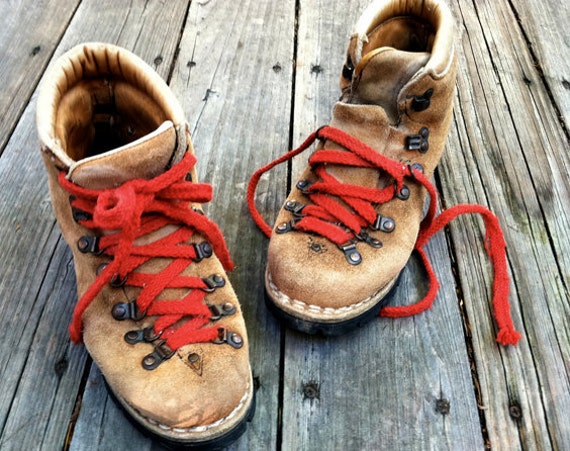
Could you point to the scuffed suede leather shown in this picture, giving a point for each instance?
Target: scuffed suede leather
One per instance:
(400, 50)
(202, 400)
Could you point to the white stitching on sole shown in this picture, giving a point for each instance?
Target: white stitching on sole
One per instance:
(327, 311)
(204, 428)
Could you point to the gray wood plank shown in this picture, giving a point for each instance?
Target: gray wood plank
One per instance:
(102, 426)
(387, 385)
(235, 85)
(545, 26)
(28, 37)
(48, 382)
(509, 157)
(40, 372)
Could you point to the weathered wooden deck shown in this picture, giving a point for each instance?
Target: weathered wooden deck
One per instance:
(255, 77)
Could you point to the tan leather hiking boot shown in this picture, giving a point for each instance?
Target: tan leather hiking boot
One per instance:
(156, 310)
(352, 220)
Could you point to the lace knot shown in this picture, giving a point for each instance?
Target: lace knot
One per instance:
(119, 208)
(138, 208)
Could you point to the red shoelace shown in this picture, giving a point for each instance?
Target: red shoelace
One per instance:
(135, 209)
(327, 215)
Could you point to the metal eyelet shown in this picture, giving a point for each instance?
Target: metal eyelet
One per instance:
(89, 244)
(127, 310)
(220, 310)
(294, 207)
(225, 336)
(117, 282)
(384, 224)
(371, 241)
(193, 358)
(161, 353)
(80, 215)
(100, 268)
(351, 253)
(404, 193)
(203, 250)
(77, 214)
(287, 226)
(145, 335)
(195, 362)
(422, 102)
(212, 282)
(303, 186)
(419, 142)
(348, 69)
(416, 167)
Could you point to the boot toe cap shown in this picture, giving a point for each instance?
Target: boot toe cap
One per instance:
(310, 278)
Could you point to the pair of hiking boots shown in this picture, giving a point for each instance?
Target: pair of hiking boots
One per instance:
(156, 310)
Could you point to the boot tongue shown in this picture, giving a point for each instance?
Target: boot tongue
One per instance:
(371, 126)
(378, 79)
(145, 158)
(380, 76)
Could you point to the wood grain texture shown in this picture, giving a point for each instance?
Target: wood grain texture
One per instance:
(387, 385)
(41, 373)
(506, 165)
(544, 26)
(29, 35)
(102, 425)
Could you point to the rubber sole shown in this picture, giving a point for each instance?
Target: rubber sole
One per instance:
(216, 443)
(329, 328)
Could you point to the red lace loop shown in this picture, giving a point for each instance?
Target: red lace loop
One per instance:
(135, 209)
(330, 218)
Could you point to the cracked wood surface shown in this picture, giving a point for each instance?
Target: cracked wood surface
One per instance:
(254, 78)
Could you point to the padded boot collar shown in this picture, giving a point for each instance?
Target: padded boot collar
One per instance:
(91, 61)
(435, 12)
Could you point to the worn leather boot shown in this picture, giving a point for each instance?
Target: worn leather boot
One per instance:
(350, 223)
(356, 214)
(156, 310)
